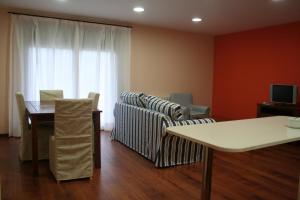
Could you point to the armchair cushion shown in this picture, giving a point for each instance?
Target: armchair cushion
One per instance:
(184, 99)
(197, 111)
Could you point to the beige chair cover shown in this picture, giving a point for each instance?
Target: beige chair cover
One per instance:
(51, 95)
(95, 97)
(71, 146)
(26, 139)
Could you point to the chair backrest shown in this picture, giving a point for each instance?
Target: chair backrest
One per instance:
(73, 118)
(95, 97)
(51, 95)
(21, 108)
(184, 99)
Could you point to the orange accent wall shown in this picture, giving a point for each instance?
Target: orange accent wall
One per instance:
(246, 63)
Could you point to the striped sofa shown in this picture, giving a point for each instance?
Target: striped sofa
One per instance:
(144, 130)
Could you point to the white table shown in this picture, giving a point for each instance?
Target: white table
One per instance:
(235, 136)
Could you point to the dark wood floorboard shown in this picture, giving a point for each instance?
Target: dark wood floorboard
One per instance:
(269, 174)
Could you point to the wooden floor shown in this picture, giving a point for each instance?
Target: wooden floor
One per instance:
(269, 174)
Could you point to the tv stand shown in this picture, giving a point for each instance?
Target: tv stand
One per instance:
(266, 109)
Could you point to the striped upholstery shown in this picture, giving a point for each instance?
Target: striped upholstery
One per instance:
(173, 110)
(143, 130)
(133, 98)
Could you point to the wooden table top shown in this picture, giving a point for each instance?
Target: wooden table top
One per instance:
(38, 107)
(42, 107)
(240, 135)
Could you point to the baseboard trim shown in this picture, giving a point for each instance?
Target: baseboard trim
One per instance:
(3, 134)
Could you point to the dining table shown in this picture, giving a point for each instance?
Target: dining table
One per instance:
(42, 111)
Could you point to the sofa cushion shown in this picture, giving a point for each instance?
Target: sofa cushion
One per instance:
(168, 108)
(134, 98)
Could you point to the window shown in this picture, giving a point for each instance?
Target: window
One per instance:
(73, 56)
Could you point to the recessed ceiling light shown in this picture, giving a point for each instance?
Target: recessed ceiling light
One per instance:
(277, 0)
(196, 19)
(138, 9)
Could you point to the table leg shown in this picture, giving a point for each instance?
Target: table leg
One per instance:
(34, 146)
(207, 172)
(97, 139)
(298, 198)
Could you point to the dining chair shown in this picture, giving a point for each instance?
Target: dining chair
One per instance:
(51, 95)
(95, 97)
(26, 137)
(71, 145)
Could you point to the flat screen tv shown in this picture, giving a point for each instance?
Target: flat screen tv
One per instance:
(283, 93)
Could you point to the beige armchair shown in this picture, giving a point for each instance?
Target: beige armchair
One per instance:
(95, 97)
(26, 140)
(51, 95)
(71, 146)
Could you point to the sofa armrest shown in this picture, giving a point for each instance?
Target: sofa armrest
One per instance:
(190, 122)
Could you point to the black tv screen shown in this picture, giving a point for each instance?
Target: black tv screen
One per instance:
(283, 93)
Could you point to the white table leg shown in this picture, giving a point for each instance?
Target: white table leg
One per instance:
(207, 172)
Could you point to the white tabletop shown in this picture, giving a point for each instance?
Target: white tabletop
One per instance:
(240, 135)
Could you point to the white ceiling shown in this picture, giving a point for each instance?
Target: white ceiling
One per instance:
(219, 16)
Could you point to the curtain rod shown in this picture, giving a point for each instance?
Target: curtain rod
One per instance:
(76, 20)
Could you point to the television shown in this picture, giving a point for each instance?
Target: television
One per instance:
(283, 93)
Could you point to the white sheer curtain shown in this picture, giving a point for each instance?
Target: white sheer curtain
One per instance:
(73, 56)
